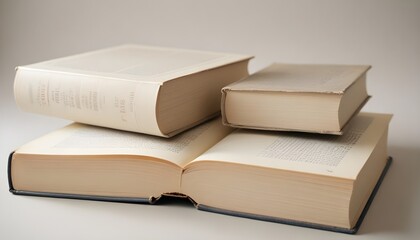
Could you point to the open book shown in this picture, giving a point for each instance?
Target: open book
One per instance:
(152, 90)
(322, 181)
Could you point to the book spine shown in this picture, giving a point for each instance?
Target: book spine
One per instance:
(9, 172)
(223, 107)
(96, 100)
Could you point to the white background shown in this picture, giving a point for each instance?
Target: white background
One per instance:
(384, 34)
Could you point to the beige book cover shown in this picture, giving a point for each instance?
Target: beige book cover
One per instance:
(309, 78)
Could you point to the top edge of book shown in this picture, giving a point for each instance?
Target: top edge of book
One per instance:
(138, 63)
(308, 78)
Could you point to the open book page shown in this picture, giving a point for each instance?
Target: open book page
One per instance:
(330, 155)
(79, 139)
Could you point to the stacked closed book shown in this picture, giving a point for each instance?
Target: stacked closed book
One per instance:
(296, 97)
(157, 91)
(324, 181)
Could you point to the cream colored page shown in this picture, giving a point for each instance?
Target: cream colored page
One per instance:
(119, 104)
(302, 78)
(79, 139)
(340, 156)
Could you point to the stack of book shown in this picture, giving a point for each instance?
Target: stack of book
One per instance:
(290, 146)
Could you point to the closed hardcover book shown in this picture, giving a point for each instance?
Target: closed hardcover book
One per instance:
(296, 97)
(152, 90)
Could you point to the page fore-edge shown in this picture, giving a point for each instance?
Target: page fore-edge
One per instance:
(341, 132)
(208, 208)
(69, 196)
(307, 224)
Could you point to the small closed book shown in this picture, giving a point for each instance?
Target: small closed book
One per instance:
(152, 90)
(312, 180)
(296, 97)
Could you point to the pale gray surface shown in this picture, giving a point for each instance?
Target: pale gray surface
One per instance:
(385, 34)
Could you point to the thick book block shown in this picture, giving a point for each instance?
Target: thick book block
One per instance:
(314, 180)
(296, 97)
(353, 230)
(157, 91)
